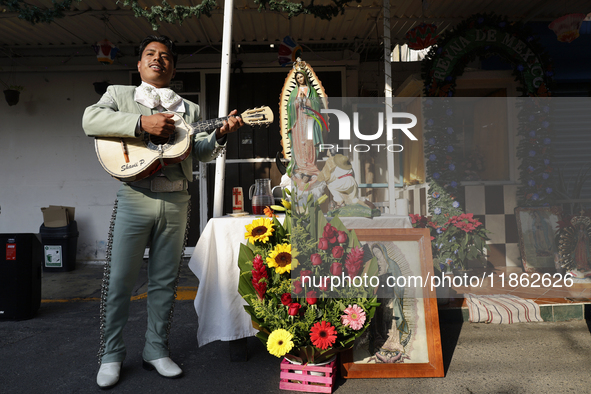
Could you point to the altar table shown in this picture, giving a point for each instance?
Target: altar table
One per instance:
(214, 261)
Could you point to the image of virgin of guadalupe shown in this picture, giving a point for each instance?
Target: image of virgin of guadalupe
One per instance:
(575, 248)
(541, 231)
(390, 325)
(302, 103)
(582, 255)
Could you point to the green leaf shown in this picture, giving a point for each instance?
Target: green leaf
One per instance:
(263, 336)
(245, 286)
(279, 230)
(245, 257)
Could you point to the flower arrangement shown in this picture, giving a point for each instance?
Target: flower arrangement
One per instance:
(460, 238)
(286, 277)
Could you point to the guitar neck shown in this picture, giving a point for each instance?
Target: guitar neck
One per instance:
(208, 125)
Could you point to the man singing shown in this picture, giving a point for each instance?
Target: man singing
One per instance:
(152, 210)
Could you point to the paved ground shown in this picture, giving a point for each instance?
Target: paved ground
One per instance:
(55, 352)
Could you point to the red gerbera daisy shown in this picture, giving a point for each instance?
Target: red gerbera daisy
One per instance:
(323, 335)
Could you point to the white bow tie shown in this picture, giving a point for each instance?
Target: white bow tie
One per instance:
(152, 97)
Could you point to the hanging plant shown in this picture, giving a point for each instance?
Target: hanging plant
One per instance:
(157, 14)
(34, 14)
(101, 87)
(12, 96)
(12, 92)
(295, 8)
(170, 14)
(178, 13)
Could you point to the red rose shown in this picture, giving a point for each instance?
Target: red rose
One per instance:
(316, 259)
(324, 284)
(293, 309)
(286, 299)
(330, 233)
(336, 269)
(337, 252)
(297, 286)
(311, 297)
(342, 237)
(323, 244)
(304, 274)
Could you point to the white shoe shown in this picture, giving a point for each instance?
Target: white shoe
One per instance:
(165, 367)
(108, 374)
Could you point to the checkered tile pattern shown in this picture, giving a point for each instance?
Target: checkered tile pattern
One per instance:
(494, 206)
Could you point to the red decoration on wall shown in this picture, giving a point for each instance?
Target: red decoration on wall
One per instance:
(289, 51)
(421, 36)
(105, 51)
(567, 27)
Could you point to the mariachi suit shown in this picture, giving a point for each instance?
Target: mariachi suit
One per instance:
(144, 216)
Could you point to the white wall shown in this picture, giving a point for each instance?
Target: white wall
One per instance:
(46, 159)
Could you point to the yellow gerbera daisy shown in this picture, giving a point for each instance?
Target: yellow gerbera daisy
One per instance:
(259, 230)
(280, 258)
(279, 342)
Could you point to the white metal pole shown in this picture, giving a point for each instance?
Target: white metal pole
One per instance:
(220, 163)
(388, 96)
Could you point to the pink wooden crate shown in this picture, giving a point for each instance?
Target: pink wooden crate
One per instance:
(298, 378)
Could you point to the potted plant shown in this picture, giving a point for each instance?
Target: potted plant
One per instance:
(285, 272)
(101, 87)
(12, 93)
(460, 239)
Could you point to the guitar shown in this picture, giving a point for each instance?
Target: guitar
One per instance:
(133, 159)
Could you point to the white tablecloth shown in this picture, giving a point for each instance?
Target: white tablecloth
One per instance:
(214, 261)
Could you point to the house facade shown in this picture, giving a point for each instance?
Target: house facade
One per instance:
(48, 160)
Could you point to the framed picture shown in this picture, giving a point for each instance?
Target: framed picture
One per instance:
(403, 339)
(537, 228)
(574, 247)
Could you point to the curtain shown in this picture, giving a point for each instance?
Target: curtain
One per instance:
(490, 137)
(412, 156)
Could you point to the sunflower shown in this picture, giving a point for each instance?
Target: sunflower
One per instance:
(279, 342)
(281, 259)
(323, 335)
(259, 230)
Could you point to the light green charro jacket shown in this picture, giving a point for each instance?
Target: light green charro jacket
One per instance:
(117, 114)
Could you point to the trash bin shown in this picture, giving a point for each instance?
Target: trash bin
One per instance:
(59, 247)
(21, 256)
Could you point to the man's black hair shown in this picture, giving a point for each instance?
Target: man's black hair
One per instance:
(163, 40)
